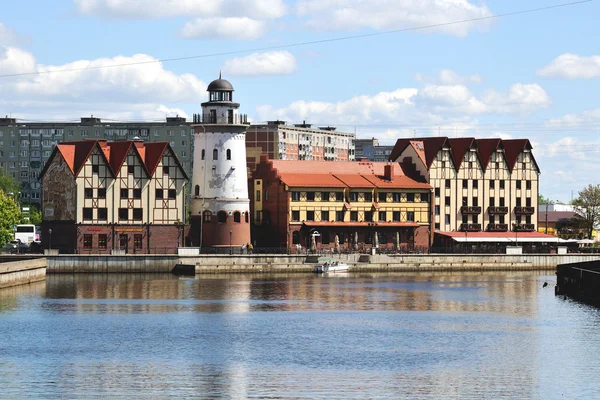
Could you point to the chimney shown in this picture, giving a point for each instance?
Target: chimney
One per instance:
(388, 172)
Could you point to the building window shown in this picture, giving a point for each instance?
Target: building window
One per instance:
(215, 154)
(88, 193)
(165, 170)
(492, 184)
(222, 216)
(410, 197)
(465, 201)
(396, 197)
(528, 185)
(246, 216)
(207, 216)
(437, 210)
(295, 196)
(124, 193)
(502, 184)
(369, 216)
(447, 219)
(339, 216)
(368, 196)
(354, 216)
(465, 184)
(447, 183)
(137, 194)
(95, 169)
(88, 213)
(228, 154)
(310, 215)
(87, 241)
(410, 216)
(518, 184)
(137, 214)
(258, 195)
(324, 215)
(203, 154)
(101, 193)
(475, 184)
(310, 196)
(324, 196)
(528, 202)
(437, 226)
(172, 194)
(382, 216)
(137, 241)
(123, 214)
(102, 214)
(295, 237)
(237, 217)
(339, 196)
(159, 194)
(492, 201)
(130, 169)
(382, 196)
(353, 196)
(501, 201)
(197, 191)
(295, 215)
(102, 241)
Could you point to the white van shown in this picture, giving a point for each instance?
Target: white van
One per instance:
(25, 233)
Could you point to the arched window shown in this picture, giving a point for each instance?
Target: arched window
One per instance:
(222, 216)
(197, 190)
(246, 216)
(207, 216)
(237, 217)
(215, 154)
(228, 154)
(203, 154)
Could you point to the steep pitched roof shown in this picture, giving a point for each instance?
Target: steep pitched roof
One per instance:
(512, 149)
(431, 147)
(460, 147)
(485, 148)
(68, 153)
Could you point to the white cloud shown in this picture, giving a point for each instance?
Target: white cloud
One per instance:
(87, 87)
(223, 28)
(270, 63)
(572, 66)
(154, 9)
(7, 35)
(449, 77)
(520, 99)
(393, 14)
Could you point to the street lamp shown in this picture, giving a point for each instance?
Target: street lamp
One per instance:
(230, 248)
(50, 239)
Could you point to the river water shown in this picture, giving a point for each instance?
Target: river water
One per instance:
(416, 336)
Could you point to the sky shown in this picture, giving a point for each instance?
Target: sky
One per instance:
(401, 68)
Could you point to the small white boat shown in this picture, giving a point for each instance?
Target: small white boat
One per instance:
(329, 267)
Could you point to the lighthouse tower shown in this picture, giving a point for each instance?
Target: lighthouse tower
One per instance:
(220, 205)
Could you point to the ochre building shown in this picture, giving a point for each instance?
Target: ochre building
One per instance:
(343, 205)
(106, 197)
(479, 184)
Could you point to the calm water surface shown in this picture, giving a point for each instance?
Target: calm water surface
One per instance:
(452, 336)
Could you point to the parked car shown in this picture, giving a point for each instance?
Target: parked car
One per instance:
(16, 247)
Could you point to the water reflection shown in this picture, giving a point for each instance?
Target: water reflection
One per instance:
(463, 335)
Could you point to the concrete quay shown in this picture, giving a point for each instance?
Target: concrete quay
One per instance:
(277, 263)
(16, 270)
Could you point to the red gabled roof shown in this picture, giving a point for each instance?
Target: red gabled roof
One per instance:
(117, 154)
(460, 147)
(83, 150)
(311, 180)
(431, 147)
(154, 153)
(487, 147)
(512, 149)
(68, 153)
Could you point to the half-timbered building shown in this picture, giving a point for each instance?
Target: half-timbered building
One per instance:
(109, 197)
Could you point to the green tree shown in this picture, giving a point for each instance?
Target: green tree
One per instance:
(8, 184)
(10, 215)
(543, 200)
(587, 204)
(35, 215)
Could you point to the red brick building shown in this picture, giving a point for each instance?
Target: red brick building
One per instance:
(107, 197)
(329, 204)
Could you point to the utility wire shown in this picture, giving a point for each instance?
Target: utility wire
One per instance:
(283, 46)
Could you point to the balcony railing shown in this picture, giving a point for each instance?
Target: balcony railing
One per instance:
(497, 227)
(470, 210)
(523, 227)
(470, 227)
(241, 119)
(524, 210)
(497, 210)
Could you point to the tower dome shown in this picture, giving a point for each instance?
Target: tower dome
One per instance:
(220, 85)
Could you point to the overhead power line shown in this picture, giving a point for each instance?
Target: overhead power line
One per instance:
(290, 45)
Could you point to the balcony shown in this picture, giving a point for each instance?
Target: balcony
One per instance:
(470, 227)
(523, 227)
(524, 210)
(497, 210)
(241, 119)
(470, 210)
(497, 228)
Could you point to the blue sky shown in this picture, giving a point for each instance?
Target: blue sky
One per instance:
(534, 75)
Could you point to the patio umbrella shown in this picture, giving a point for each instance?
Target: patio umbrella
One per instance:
(376, 241)
(313, 243)
(337, 243)
(355, 240)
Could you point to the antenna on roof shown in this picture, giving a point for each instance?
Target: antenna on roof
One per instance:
(219, 74)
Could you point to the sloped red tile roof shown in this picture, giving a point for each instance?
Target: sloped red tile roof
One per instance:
(68, 153)
(431, 146)
(555, 216)
(487, 147)
(460, 147)
(512, 149)
(363, 174)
